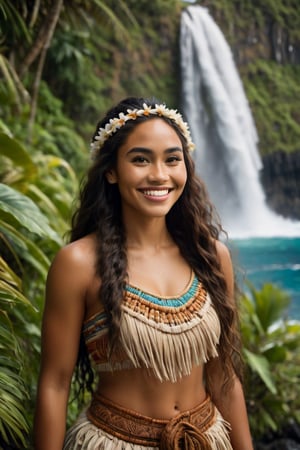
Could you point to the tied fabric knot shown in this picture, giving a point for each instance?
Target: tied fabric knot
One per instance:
(182, 435)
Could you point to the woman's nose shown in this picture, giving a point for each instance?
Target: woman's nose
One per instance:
(158, 173)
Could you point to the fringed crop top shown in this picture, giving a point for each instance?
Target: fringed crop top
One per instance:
(168, 335)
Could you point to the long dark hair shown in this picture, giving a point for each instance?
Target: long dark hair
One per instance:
(192, 222)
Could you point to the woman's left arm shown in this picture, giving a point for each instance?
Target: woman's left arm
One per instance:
(231, 403)
(233, 409)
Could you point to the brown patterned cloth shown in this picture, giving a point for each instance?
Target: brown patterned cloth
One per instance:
(188, 430)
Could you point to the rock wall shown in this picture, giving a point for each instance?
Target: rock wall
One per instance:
(280, 175)
(280, 178)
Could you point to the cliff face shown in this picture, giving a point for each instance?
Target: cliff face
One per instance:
(265, 41)
(280, 178)
(280, 175)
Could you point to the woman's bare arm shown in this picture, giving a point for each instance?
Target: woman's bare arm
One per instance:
(231, 404)
(62, 321)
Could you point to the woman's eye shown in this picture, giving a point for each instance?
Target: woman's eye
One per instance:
(140, 160)
(173, 159)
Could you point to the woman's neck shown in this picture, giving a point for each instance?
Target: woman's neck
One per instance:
(151, 233)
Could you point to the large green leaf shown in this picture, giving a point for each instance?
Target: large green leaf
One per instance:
(260, 365)
(25, 211)
(275, 354)
(26, 248)
(12, 149)
(8, 275)
(8, 341)
(271, 304)
(51, 207)
(8, 294)
(13, 423)
(7, 71)
(10, 285)
(4, 128)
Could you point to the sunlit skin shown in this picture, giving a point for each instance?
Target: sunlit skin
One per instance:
(151, 175)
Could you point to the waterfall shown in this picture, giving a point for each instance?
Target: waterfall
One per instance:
(215, 106)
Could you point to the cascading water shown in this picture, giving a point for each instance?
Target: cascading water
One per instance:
(222, 127)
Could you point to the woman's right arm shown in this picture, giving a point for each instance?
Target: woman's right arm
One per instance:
(62, 320)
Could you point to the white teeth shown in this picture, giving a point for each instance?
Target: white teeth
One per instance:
(159, 193)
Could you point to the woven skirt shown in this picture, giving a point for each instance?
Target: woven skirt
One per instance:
(106, 425)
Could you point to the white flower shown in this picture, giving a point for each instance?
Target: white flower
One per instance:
(132, 114)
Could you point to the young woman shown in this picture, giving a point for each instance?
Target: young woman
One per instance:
(145, 288)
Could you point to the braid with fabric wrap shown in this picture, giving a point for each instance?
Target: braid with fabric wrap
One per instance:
(191, 222)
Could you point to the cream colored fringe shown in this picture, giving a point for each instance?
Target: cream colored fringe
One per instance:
(83, 435)
(170, 351)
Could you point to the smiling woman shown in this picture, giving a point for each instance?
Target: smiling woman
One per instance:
(143, 297)
(150, 171)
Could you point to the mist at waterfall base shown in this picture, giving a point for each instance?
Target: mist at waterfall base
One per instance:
(267, 246)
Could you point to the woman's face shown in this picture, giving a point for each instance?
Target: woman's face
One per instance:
(150, 170)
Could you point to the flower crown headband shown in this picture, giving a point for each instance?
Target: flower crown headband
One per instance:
(132, 114)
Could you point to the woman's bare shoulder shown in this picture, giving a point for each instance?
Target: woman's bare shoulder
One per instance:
(76, 259)
(79, 251)
(222, 250)
(226, 265)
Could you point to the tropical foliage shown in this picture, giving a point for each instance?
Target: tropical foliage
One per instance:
(33, 217)
(272, 356)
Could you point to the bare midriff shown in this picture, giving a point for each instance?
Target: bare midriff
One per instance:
(137, 390)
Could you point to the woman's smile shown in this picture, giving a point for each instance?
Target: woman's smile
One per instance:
(155, 194)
